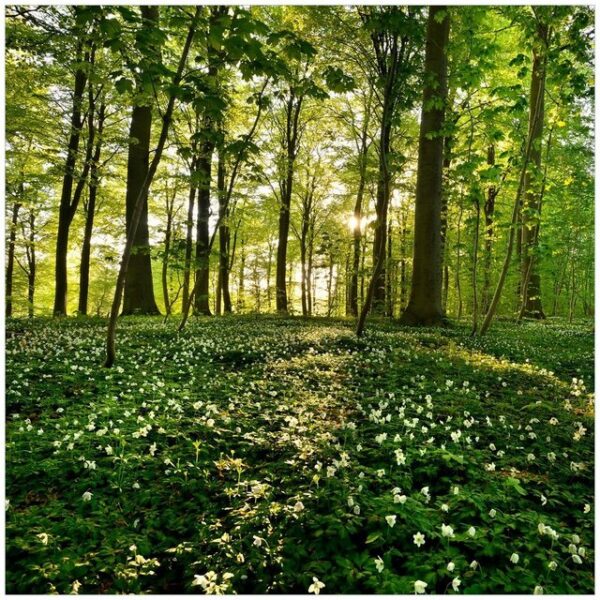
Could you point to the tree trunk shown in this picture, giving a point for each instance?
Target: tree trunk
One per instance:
(170, 206)
(474, 268)
(457, 274)
(224, 239)
(357, 230)
(425, 303)
(530, 277)
(139, 286)
(10, 265)
(32, 267)
(189, 237)
(293, 108)
(201, 300)
(269, 268)
(403, 262)
(389, 275)
(90, 213)
(304, 283)
(143, 193)
(381, 208)
(66, 209)
(448, 142)
(240, 290)
(488, 211)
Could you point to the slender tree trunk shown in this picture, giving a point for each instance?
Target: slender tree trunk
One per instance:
(66, 208)
(425, 303)
(513, 224)
(572, 290)
(381, 208)
(167, 250)
(90, 213)
(304, 283)
(269, 269)
(488, 211)
(357, 229)
(389, 275)
(330, 286)
(32, 267)
(403, 263)
(362, 272)
(189, 237)
(448, 143)
(458, 255)
(241, 279)
(474, 267)
(224, 238)
(201, 299)
(293, 108)
(10, 265)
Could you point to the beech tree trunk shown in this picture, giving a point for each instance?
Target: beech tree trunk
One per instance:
(425, 303)
(189, 239)
(67, 209)
(488, 212)
(357, 230)
(201, 299)
(10, 263)
(143, 193)
(224, 240)
(139, 287)
(90, 213)
(530, 277)
(32, 266)
(293, 108)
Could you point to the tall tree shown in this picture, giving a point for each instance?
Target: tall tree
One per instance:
(290, 142)
(84, 57)
(143, 192)
(425, 303)
(90, 213)
(138, 296)
(530, 276)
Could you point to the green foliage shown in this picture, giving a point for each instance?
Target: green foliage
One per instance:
(279, 450)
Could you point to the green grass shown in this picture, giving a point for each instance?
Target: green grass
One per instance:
(252, 454)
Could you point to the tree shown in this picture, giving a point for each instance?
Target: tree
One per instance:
(90, 213)
(69, 200)
(425, 302)
(530, 277)
(138, 296)
(143, 193)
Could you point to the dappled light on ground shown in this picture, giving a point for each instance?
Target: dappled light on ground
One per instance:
(256, 454)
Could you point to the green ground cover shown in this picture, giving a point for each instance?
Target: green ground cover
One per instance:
(261, 454)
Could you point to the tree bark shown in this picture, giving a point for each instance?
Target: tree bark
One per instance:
(90, 213)
(189, 238)
(425, 303)
(143, 193)
(357, 229)
(66, 208)
(224, 238)
(139, 287)
(488, 212)
(10, 265)
(293, 109)
(201, 299)
(530, 277)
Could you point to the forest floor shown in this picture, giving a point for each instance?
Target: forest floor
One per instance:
(262, 454)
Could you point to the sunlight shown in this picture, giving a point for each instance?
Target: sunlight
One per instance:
(354, 223)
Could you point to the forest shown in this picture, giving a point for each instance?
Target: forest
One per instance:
(299, 299)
